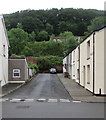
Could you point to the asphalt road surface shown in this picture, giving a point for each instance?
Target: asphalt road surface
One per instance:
(46, 97)
(42, 86)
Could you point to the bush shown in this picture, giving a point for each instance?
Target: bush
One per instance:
(46, 62)
(33, 66)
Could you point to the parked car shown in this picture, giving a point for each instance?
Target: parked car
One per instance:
(53, 70)
(46, 71)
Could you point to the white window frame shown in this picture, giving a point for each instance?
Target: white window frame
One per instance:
(88, 49)
(14, 71)
(4, 50)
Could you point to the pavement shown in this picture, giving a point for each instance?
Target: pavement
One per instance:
(79, 93)
(9, 88)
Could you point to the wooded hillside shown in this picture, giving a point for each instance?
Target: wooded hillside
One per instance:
(53, 21)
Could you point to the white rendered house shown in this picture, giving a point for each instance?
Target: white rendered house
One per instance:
(88, 64)
(73, 65)
(4, 44)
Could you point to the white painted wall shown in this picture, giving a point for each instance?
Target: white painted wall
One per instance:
(64, 62)
(84, 61)
(73, 65)
(3, 59)
(77, 62)
(99, 62)
(86, 65)
(69, 65)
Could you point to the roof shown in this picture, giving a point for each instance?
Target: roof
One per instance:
(94, 32)
(12, 57)
(18, 59)
(1, 18)
(89, 35)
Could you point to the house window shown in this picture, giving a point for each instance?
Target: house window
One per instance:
(74, 70)
(88, 74)
(78, 54)
(16, 73)
(78, 74)
(4, 50)
(74, 57)
(88, 50)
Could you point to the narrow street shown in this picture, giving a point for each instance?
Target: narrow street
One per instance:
(46, 97)
(42, 86)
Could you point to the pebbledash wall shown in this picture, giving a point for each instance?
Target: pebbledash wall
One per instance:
(4, 44)
(87, 62)
(18, 70)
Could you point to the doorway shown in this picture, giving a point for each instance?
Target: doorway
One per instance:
(84, 75)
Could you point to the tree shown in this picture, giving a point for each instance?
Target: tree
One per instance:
(19, 25)
(71, 44)
(43, 36)
(49, 28)
(32, 36)
(46, 62)
(33, 66)
(66, 34)
(68, 19)
(96, 23)
(18, 39)
(27, 51)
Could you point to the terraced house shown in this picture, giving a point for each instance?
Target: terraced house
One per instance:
(4, 44)
(88, 62)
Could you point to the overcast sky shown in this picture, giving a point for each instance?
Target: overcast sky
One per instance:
(10, 6)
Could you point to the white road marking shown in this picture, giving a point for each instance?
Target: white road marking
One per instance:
(64, 100)
(52, 100)
(76, 101)
(28, 100)
(38, 100)
(15, 100)
(41, 100)
(4, 99)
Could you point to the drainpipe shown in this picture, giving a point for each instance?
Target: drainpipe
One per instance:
(0, 88)
(94, 63)
(0, 83)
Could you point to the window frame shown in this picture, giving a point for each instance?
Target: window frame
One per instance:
(4, 50)
(88, 49)
(18, 71)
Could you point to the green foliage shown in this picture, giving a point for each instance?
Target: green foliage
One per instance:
(32, 36)
(71, 44)
(53, 21)
(66, 34)
(46, 48)
(46, 62)
(18, 56)
(18, 39)
(19, 25)
(49, 28)
(27, 51)
(96, 23)
(33, 66)
(43, 35)
(30, 30)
